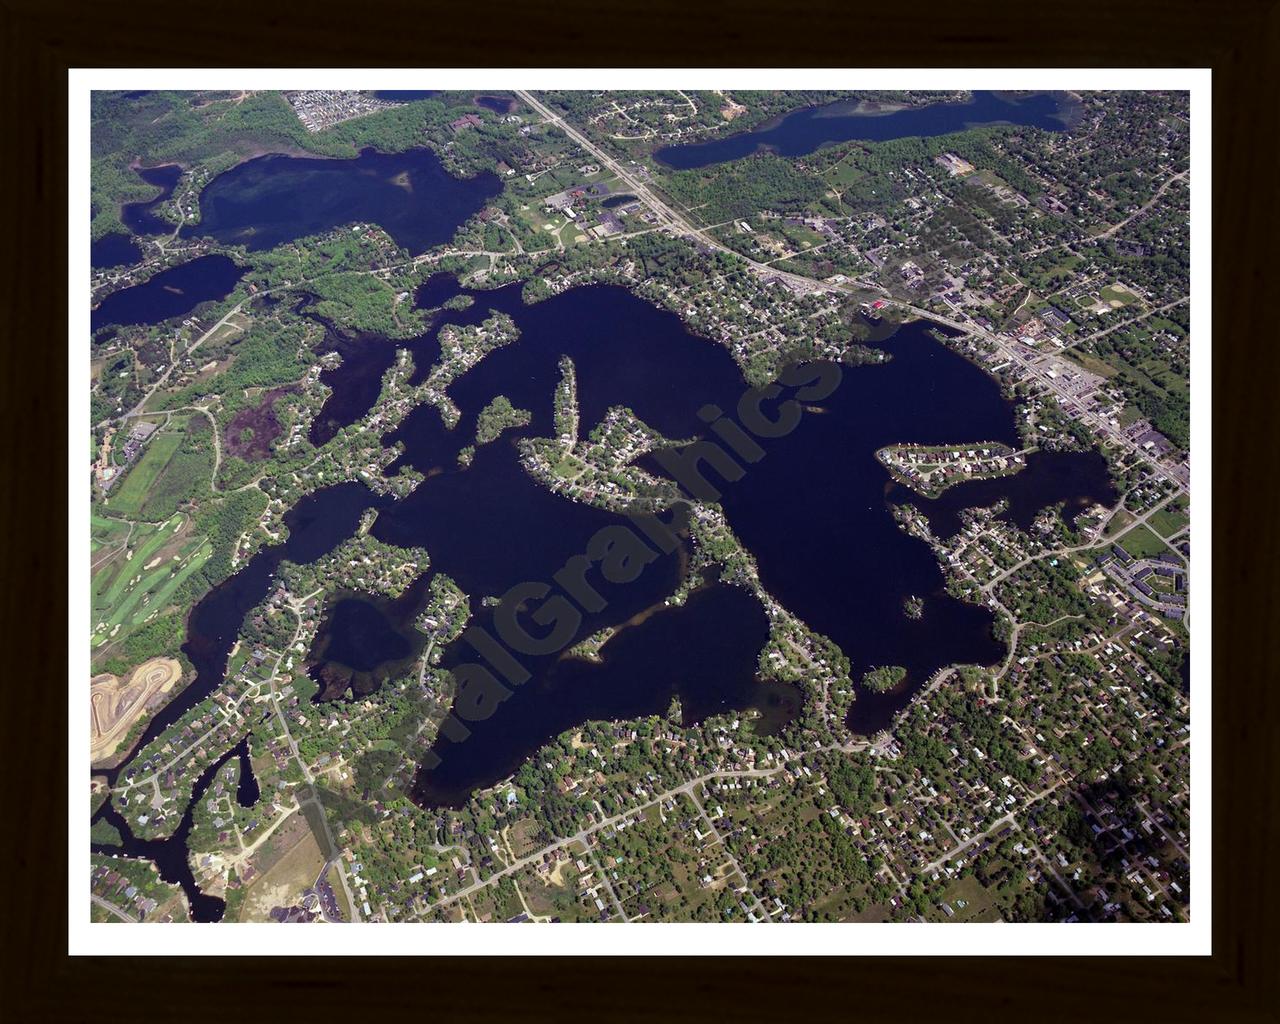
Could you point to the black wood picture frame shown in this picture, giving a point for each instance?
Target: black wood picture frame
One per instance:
(1238, 39)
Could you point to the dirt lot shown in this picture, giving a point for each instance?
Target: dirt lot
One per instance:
(115, 706)
(284, 881)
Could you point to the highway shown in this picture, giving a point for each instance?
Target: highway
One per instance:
(666, 214)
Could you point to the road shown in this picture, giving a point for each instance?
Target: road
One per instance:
(1155, 198)
(137, 410)
(333, 849)
(581, 836)
(112, 908)
(1124, 323)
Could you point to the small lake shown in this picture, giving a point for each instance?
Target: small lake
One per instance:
(274, 199)
(247, 789)
(114, 250)
(498, 104)
(804, 131)
(365, 640)
(171, 293)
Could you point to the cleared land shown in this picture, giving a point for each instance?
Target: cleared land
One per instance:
(281, 885)
(114, 707)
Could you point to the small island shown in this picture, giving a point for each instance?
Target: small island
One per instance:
(881, 680)
(496, 417)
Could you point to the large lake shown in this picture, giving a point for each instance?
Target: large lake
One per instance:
(816, 512)
(274, 199)
(804, 131)
(628, 353)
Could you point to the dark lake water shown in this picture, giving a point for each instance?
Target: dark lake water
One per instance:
(630, 350)
(356, 381)
(247, 789)
(814, 513)
(705, 652)
(171, 293)
(625, 352)
(275, 199)
(406, 95)
(141, 218)
(804, 131)
(632, 354)
(498, 104)
(114, 250)
(365, 640)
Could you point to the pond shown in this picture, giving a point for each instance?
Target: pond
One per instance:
(114, 250)
(141, 218)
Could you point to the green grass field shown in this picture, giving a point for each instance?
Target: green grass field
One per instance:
(104, 532)
(1119, 523)
(1093, 364)
(1142, 543)
(133, 490)
(1170, 519)
(177, 465)
(1115, 293)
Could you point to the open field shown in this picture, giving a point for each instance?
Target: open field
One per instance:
(1170, 519)
(968, 899)
(1117, 296)
(1093, 364)
(282, 884)
(114, 707)
(133, 490)
(1142, 543)
(106, 534)
(175, 467)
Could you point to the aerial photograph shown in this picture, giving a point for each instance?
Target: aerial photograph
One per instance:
(637, 506)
